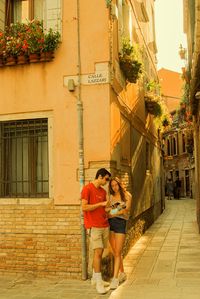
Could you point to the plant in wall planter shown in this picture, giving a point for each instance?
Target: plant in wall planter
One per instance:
(2, 48)
(108, 3)
(153, 99)
(153, 103)
(166, 120)
(27, 42)
(51, 43)
(129, 61)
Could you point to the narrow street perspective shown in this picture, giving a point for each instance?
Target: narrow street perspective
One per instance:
(99, 149)
(164, 263)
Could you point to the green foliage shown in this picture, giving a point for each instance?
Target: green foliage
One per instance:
(129, 61)
(25, 38)
(183, 113)
(153, 86)
(154, 108)
(51, 41)
(153, 99)
(108, 3)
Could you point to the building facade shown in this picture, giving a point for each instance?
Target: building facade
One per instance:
(178, 156)
(64, 119)
(192, 29)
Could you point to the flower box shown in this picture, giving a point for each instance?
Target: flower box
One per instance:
(129, 62)
(25, 43)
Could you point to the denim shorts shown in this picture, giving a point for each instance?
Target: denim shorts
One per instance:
(117, 225)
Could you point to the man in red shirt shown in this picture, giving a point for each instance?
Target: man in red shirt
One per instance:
(94, 202)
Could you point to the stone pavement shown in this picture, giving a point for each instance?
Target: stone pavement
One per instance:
(163, 264)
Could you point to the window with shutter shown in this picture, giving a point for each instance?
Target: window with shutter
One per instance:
(2, 14)
(53, 15)
(21, 10)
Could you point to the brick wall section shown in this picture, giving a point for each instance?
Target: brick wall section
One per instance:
(45, 240)
(42, 239)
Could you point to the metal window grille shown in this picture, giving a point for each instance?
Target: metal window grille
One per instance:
(24, 170)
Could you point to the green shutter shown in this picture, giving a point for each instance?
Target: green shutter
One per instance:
(53, 17)
(2, 14)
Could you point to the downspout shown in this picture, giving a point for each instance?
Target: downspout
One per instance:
(81, 147)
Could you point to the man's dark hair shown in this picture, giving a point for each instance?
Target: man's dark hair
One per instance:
(103, 172)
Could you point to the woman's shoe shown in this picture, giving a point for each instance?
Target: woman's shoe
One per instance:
(122, 277)
(94, 281)
(114, 283)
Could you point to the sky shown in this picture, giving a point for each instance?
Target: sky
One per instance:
(169, 33)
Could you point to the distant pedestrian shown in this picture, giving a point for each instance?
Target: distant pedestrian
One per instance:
(94, 201)
(177, 188)
(170, 189)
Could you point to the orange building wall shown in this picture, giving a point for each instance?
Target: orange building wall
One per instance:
(171, 87)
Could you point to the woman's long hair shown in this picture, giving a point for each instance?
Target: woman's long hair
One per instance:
(121, 188)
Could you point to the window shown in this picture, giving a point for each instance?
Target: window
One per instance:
(147, 156)
(24, 170)
(168, 148)
(183, 143)
(20, 10)
(174, 146)
(125, 139)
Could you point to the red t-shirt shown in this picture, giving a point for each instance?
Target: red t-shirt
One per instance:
(97, 217)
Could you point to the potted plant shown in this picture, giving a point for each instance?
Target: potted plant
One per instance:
(35, 39)
(153, 106)
(166, 120)
(22, 41)
(15, 42)
(2, 48)
(152, 98)
(129, 62)
(51, 43)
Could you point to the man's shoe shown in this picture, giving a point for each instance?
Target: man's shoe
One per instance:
(114, 283)
(100, 287)
(122, 277)
(94, 281)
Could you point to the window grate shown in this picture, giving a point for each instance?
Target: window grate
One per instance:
(24, 170)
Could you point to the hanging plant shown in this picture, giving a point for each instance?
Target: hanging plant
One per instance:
(153, 107)
(153, 99)
(183, 113)
(129, 61)
(108, 3)
(165, 122)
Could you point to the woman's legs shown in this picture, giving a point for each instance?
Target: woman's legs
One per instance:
(117, 242)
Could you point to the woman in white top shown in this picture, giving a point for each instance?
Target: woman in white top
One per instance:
(119, 209)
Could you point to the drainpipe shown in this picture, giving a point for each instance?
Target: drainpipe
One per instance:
(81, 148)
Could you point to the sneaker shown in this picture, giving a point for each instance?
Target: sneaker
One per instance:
(114, 283)
(122, 277)
(94, 281)
(100, 287)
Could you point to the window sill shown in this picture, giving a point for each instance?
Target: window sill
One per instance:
(25, 201)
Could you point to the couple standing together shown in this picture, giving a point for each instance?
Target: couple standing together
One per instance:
(105, 218)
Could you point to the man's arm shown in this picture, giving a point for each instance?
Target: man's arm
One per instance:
(91, 207)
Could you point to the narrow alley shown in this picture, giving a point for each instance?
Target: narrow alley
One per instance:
(163, 264)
